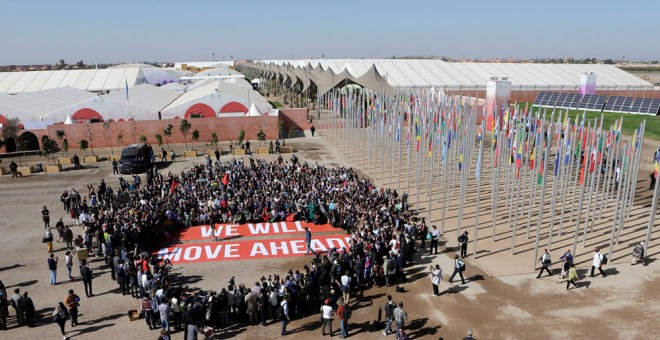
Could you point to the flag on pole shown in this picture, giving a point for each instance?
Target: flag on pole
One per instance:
(656, 166)
(126, 89)
(398, 130)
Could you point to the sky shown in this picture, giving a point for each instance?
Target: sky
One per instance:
(117, 31)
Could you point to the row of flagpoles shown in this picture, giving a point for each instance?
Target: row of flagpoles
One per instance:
(589, 168)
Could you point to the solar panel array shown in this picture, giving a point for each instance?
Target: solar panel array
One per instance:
(594, 102)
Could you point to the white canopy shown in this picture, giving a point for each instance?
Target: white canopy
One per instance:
(254, 112)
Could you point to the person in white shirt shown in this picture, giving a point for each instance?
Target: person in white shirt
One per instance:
(598, 263)
(346, 286)
(436, 278)
(435, 236)
(459, 267)
(326, 314)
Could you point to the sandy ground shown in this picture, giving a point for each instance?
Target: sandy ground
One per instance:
(512, 304)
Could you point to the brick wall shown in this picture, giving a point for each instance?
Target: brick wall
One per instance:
(227, 128)
(294, 117)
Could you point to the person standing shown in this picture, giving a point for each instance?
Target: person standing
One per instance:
(172, 155)
(52, 266)
(72, 302)
(13, 168)
(28, 309)
(147, 310)
(115, 167)
(435, 236)
(572, 276)
(545, 263)
(86, 274)
(247, 147)
(68, 237)
(346, 286)
(598, 263)
(48, 237)
(45, 216)
(343, 312)
(326, 316)
(459, 268)
(463, 241)
(436, 278)
(17, 303)
(312, 129)
(4, 310)
(60, 315)
(400, 317)
(217, 155)
(285, 315)
(308, 241)
(164, 309)
(389, 315)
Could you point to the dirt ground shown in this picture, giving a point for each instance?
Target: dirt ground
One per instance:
(512, 304)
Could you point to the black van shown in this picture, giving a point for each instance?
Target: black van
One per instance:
(135, 158)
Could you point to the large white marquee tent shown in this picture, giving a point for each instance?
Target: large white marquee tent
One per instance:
(415, 73)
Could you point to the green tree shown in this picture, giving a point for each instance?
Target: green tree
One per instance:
(159, 139)
(214, 139)
(195, 136)
(261, 136)
(90, 135)
(280, 128)
(168, 132)
(10, 131)
(83, 145)
(184, 127)
(120, 138)
(65, 146)
(80, 64)
(143, 139)
(241, 136)
(608, 62)
(61, 64)
(60, 135)
(48, 146)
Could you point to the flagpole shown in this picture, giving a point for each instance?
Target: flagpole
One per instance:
(617, 207)
(543, 186)
(479, 168)
(638, 153)
(584, 161)
(555, 182)
(654, 208)
(566, 177)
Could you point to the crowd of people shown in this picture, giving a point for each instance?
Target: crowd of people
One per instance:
(121, 225)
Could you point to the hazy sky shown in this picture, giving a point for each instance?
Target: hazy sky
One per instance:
(116, 31)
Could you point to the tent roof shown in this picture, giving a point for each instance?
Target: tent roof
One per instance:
(95, 80)
(33, 105)
(145, 95)
(254, 112)
(425, 73)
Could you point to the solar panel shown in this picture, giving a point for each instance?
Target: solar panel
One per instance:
(592, 102)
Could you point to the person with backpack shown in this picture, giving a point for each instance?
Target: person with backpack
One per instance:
(459, 268)
(389, 315)
(60, 315)
(344, 313)
(599, 261)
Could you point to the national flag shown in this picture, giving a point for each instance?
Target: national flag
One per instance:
(173, 186)
(127, 89)
(225, 179)
(656, 166)
(479, 142)
(398, 130)
(460, 160)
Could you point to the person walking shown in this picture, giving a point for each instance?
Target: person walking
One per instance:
(48, 238)
(572, 276)
(435, 236)
(568, 256)
(308, 242)
(86, 274)
(285, 315)
(68, 237)
(13, 168)
(326, 316)
(390, 306)
(598, 263)
(312, 129)
(60, 315)
(217, 154)
(463, 241)
(436, 278)
(565, 266)
(400, 317)
(545, 263)
(343, 312)
(638, 253)
(52, 266)
(72, 302)
(459, 268)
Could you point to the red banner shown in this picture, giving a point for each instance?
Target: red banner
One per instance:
(251, 229)
(248, 250)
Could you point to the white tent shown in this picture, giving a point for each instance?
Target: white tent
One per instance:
(254, 112)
